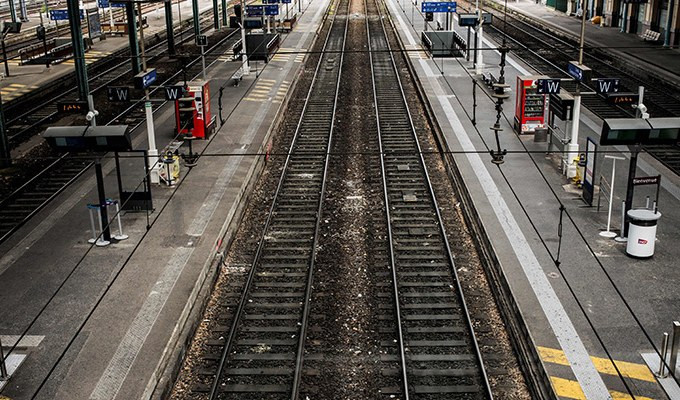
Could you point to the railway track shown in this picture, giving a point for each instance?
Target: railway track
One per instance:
(549, 55)
(262, 350)
(20, 206)
(436, 350)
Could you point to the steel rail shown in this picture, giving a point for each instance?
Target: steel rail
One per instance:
(439, 220)
(236, 319)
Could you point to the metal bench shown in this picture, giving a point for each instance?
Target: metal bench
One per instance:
(650, 36)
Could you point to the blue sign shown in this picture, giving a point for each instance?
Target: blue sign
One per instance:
(578, 71)
(105, 4)
(254, 11)
(267, 9)
(271, 9)
(144, 79)
(438, 6)
(62, 15)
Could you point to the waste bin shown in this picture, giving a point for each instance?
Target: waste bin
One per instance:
(541, 135)
(642, 232)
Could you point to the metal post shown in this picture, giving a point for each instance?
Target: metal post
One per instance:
(3, 367)
(120, 235)
(44, 40)
(609, 233)
(78, 48)
(12, 11)
(662, 357)
(150, 128)
(169, 28)
(111, 16)
(225, 18)
(4, 56)
(216, 15)
(635, 150)
(622, 237)
(674, 347)
(106, 232)
(132, 36)
(23, 13)
(194, 9)
(669, 22)
(179, 16)
(94, 229)
(5, 155)
(203, 61)
(467, 53)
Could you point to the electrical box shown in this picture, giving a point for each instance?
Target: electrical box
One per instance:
(530, 106)
(192, 110)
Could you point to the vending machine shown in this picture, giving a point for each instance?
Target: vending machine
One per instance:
(530, 106)
(192, 110)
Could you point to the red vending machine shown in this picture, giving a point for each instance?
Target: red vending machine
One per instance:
(192, 110)
(530, 107)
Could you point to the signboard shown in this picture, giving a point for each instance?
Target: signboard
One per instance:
(467, 19)
(173, 92)
(94, 26)
(62, 15)
(578, 71)
(548, 86)
(144, 79)
(118, 94)
(562, 105)
(607, 85)
(106, 4)
(647, 180)
(72, 107)
(623, 98)
(429, 17)
(201, 40)
(438, 6)
(267, 9)
(589, 173)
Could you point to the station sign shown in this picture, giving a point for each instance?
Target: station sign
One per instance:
(607, 85)
(72, 107)
(118, 94)
(201, 40)
(548, 86)
(173, 92)
(647, 180)
(623, 98)
(106, 4)
(578, 71)
(438, 6)
(266, 9)
(144, 79)
(629, 131)
(62, 15)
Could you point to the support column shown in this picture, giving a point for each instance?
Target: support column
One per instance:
(225, 17)
(132, 36)
(194, 10)
(216, 15)
(169, 28)
(23, 13)
(78, 48)
(12, 11)
(5, 157)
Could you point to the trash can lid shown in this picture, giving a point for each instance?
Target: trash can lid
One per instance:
(642, 214)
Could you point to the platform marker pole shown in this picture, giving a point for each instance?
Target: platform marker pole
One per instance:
(150, 129)
(662, 358)
(244, 54)
(608, 233)
(674, 347)
(3, 367)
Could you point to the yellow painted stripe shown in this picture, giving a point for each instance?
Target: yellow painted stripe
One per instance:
(603, 365)
(572, 390)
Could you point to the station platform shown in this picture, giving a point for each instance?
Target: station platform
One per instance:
(594, 304)
(664, 61)
(24, 79)
(111, 322)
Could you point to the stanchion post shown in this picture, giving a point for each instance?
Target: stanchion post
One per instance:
(662, 358)
(3, 367)
(674, 347)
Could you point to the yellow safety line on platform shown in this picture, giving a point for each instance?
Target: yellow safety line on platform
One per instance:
(603, 365)
(572, 390)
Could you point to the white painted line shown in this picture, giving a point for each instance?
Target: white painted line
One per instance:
(565, 332)
(12, 362)
(26, 341)
(112, 379)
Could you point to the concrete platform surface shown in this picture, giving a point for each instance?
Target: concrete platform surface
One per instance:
(106, 323)
(594, 304)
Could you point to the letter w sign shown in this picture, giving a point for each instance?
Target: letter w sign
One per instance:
(173, 92)
(548, 86)
(607, 85)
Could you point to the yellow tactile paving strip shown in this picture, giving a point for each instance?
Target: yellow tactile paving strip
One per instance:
(571, 389)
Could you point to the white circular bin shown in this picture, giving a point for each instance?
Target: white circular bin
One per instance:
(642, 233)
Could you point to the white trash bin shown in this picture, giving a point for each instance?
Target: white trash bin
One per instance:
(642, 233)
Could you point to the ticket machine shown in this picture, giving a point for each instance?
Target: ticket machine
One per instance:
(192, 110)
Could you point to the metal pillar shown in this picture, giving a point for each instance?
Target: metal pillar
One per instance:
(102, 198)
(216, 15)
(630, 190)
(132, 36)
(669, 24)
(194, 11)
(225, 17)
(78, 48)
(23, 13)
(5, 157)
(169, 28)
(12, 11)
